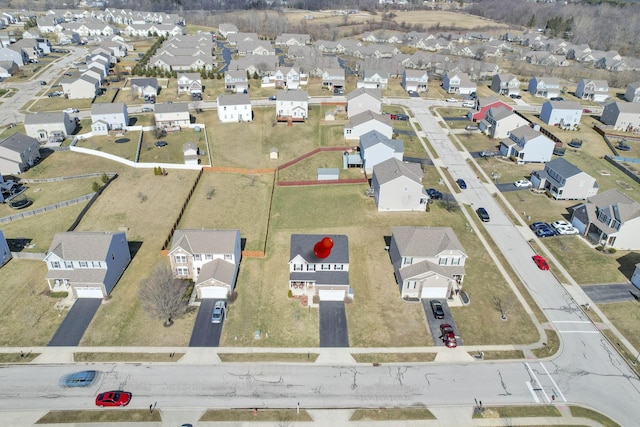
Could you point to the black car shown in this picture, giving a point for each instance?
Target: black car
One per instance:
(461, 184)
(483, 214)
(434, 194)
(402, 117)
(515, 96)
(436, 308)
(556, 98)
(43, 83)
(161, 143)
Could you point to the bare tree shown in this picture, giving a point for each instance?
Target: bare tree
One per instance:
(449, 203)
(162, 295)
(503, 305)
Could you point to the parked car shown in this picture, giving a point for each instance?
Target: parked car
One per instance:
(272, 98)
(483, 214)
(219, 309)
(147, 109)
(161, 143)
(71, 110)
(523, 183)
(452, 100)
(540, 262)
(403, 117)
(113, 398)
(436, 308)
(468, 104)
(586, 111)
(434, 194)
(487, 153)
(471, 127)
(43, 83)
(448, 336)
(564, 231)
(545, 231)
(515, 96)
(556, 98)
(561, 223)
(79, 379)
(461, 184)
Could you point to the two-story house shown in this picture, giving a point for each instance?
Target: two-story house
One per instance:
(292, 105)
(376, 148)
(458, 82)
(505, 84)
(363, 99)
(428, 262)
(236, 81)
(565, 114)
(610, 219)
(544, 87)
(234, 108)
(18, 153)
(190, 83)
(319, 267)
(499, 121)
(482, 106)
(146, 88)
(210, 258)
(49, 127)
(333, 79)
(374, 79)
(623, 116)
(527, 145)
(368, 121)
(287, 78)
(415, 80)
(632, 94)
(397, 186)
(592, 90)
(84, 86)
(564, 181)
(87, 263)
(108, 116)
(173, 115)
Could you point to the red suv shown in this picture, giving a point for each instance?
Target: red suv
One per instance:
(448, 336)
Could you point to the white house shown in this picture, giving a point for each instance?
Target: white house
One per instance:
(236, 81)
(87, 263)
(374, 79)
(415, 80)
(611, 219)
(5, 252)
(49, 127)
(458, 82)
(18, 153)
(376, 148)
(565, 114)
(211, 258)
(428, 262)
(632, 94)
(108, 116)
(368, 121)
(319, 267)
(499, 121)
(527, 145)
(287, 78)
(564, 181)
(363, 99)
(292, 104)
(146, 88)
(173, 115)
(234, 108)
(397, 186)
(544, 87)
(333, 78)
(189, 83)
(623, 116)
(82, 87)
(592, 90)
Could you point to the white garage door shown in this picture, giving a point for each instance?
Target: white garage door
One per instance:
(89, 292)
(332, 295)
(434, 293)
(217, 292)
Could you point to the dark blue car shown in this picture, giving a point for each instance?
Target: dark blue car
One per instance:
(79, 379)
(461, 183)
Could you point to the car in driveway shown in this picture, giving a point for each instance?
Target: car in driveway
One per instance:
(556, 98)
(219, 309)
(540, 262)
(113, 398)
(523, 183)
(161, 143)
(515, 96)
(461, 184)
(434, 194)
(436, 308)
(273, 98)
(545, 232)
(538, 224)
(483, 214)
(79, 379)
(147, 110)
(451, 100)
(563, 227)
(448, 336)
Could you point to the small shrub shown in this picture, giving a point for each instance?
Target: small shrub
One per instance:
(290, 293)
(232, 297)
(599, 248)
(60, 295)
(611, 250)
(104, 178)
(95, 187)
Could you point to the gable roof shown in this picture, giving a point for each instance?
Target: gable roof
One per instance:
(565, 105)
(176, 107)
(563, 167)
(303, 244)
(499, 113)
(369, 115)
(84, 245)
(205, 241)
(425, 241)
(374, 137)
(375, 93)
(234, 99)
(218, 269)
(292, 95)
(393, 168)
(18, 142)
(107, 108)
(621, 206)
(43, 117)
(144, 82)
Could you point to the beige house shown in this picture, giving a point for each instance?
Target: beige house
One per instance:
(428, 262)
(365, 122)
(18, 153)
(49, 127)
(564, 181)
(499, 121)
(172, 116)
(624, 116)
(364, 99)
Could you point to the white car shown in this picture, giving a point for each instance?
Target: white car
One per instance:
(468, 104)
(567, 230)
(561, 223)
(71, 110)
(452, 100)
(523, 183)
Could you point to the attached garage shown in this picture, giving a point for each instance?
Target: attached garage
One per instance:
(217, 292)
(88, 292)
(435, 292)
(332, 295)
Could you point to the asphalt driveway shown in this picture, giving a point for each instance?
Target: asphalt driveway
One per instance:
(613, 292)
(72, 328)
(205, 333)
(333, 324)
(434, 324)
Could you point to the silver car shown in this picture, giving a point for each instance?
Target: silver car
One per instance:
(219, 310)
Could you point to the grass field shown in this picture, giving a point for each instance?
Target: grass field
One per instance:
(124, 145)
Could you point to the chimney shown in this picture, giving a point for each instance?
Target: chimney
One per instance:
(322, 249)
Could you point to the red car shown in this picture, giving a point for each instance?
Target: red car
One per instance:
(448, 336)
(113, 398)
(540, 262)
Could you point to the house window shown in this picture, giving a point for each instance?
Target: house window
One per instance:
(83, 264)
(348, 131)
(411, 285)
(181, 258)
(208, 256)
(228, 257)
(311, 267)
(407, 260)
(95, 264)
(443, 261)
(325, 266)
(182, 271)
(455, 261)
(338, 267)
(68, 264)
(297, 267)
(55, 264)
(197, 257)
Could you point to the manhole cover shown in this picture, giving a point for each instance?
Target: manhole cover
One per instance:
(122, 140)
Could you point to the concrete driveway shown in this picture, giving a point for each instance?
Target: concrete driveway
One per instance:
(434, 324)
(72, 328)
(613, 292)
(205, 333)
(333, 324)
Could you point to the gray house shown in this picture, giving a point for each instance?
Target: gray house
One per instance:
(236, 81)
(18, 153)
(505, 84)
(145, 87)
(364, 99)
(624, 116)
(319, 267)
(87, 263)
(106, 117)
(632, 94)
(565, 114)
(5, 252)
(397, 186)
(428, 262)
(49, 127)
(376, 148)
(544, 87)
(564, 181)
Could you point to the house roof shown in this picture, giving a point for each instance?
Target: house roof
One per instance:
(107, 108)
(176, 107)
(292, 95)
(425, 241)
(42, 118)
(80, 276)
(374, 137)
(422, 267)
(526, 132)
(393, 168)
(18, 142)
(205, 241)
(218, 269)
(303, 244)
(621, 206)
(84, 245)
(144, 82)
(563, 167)
(374, 93)
(627, 107)
(565, 105)
(234, 99)
(499, 113)
(369, 115)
